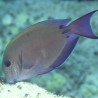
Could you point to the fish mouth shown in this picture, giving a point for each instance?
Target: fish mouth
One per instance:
(15, 77)
(11, 81)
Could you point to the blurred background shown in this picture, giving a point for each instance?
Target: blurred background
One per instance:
(78, 77)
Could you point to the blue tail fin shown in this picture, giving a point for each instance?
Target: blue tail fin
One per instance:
(82, 26)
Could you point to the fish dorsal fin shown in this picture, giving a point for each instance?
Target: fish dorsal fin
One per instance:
(57, 22)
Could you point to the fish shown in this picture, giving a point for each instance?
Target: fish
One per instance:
(43, 47)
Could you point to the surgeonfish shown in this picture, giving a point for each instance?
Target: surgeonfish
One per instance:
(43, 47)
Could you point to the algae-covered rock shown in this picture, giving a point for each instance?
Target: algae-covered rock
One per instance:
(7, 20)
(21, 19)
(33, 21)
(25, 90)
(56, 82)
(89, 90)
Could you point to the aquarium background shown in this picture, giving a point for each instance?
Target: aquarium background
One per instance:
(78, 76)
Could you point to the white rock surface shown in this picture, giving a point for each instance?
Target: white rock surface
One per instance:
(25, 90)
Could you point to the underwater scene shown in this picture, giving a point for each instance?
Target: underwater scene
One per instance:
(77, 77)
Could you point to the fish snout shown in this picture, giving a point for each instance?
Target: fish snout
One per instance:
(11, 81)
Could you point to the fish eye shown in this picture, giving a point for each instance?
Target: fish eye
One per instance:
(7, 63)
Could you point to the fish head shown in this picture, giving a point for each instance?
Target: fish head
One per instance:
(15, 67)
(10, 65)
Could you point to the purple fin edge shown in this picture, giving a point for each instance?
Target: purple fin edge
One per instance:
(71, 43)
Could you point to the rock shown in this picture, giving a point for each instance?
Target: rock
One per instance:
(25, 90)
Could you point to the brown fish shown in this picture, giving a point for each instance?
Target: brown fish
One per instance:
(43, 47)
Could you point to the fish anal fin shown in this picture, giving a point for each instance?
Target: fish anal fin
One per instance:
(45, 71)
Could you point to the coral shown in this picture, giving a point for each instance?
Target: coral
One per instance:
(25, 90)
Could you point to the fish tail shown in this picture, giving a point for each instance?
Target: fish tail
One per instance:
(82, 26)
